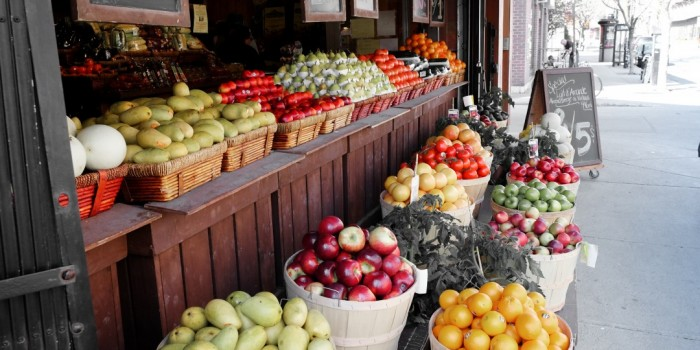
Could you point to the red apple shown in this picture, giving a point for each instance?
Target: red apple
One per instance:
(309, 239)
(564, 238)
(516, 218)
(567, 168)
(351, 239)
(294, 270)
(343, 255)
(395, 292)
(396, 251)
(349, 272)
(361, 293)
(330, 225)
(391, 264)
(532, 212)
(303, 281)
(544, 166)
(403, 280)
(559, 163)
(369, 260)
(325, 273)
(378, 282)
(564, 178)
(551, 176)
(555, 246)
(405, 266)
(575, 237)
(494, 226)
(335, 291)
(572, 228)
(527, 224)
(500, 217)
(522, 238)
(539, 227)
(326, 247)
(382, 240)
(309, 261)
(574, 177)
(315, 288)
(556, 228)
(366, 232)
(532, 239)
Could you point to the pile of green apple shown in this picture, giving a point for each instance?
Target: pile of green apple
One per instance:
(550, 197)
(245, 322)
(335, 74)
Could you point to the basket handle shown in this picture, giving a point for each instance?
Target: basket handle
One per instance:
(101, 185)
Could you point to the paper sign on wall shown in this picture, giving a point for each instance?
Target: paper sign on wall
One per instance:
(201, 21)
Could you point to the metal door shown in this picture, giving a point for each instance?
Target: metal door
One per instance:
(44, 293)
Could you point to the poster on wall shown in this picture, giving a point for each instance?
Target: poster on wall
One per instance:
(364, 8)
(420, 11)
(324, 10)
(437, 13)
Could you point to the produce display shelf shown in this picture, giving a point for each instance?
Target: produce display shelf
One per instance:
(115, 223)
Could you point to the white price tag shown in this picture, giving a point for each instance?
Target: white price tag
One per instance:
(421, 281)
(589, 254)
(414, 183)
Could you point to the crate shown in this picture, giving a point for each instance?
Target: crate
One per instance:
(297, 132)
(97, 190)
(166, 181)
(247, 148)
(337, 118)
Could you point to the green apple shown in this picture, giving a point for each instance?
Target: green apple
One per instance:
(560, 188)
(539, 185)
(519, 183)
(560, 197)
(541, 205)
(552, 184)
(546, 194)
(570, 195)
(499, 197)
(511, 190)
(533, 182)
(553, 205)
(511, 202)
(522, 190)
(524, 204)
(566, 205)
(562, 221)
(499, 188)
(532, 194)
(545, 238)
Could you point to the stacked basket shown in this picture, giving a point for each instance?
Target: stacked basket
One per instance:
(297, 132)
(337, 118)
(97, 190)
(247, 148)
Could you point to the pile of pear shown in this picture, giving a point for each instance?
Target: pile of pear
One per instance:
(157, 130)
(245, 322)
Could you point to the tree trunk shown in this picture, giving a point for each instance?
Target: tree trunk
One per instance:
(630, 42)
(664, 44)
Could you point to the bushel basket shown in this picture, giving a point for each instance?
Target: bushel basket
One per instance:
(97, 190)
(297, 132)
(337, 118)
(247, 148)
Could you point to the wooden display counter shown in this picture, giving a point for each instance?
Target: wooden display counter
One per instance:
(236, 231)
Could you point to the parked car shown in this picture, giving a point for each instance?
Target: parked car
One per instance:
(642, 47)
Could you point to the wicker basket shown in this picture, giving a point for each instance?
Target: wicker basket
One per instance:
(97, 190)
(402, 95)
(363, 109)
(167, 181)
(297, 132)
(247, 148)
(549, 216)
(383, 102)
(337, 118)
(418, 90)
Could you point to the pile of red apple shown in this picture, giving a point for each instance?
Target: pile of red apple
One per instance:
(399, 74)
(558, 238)
(351, 263)
(299, 105)
(545, 169)
(460, 157)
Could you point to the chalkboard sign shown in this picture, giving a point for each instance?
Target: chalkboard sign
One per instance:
(569, 93)
(152, 12)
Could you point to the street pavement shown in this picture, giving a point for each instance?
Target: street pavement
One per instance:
(643, 212)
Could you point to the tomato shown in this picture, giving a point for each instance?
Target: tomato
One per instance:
(441, 146)
(459, 175)
(480, 161)
(403, 165)
(483, 172)
(432, 163)
(470, 174)
(457, 165)
(429, 154)
(450, 152)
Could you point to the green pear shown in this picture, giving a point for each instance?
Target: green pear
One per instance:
(173, 347)
(273, 333)
(181, 335)
(270, 347)
(320, 344)
(226, 339)
(200, 345)
(252, 339)
(293, 338)
(206, 333)
(317, 325)
(262, 310)
(295, 312)
(194, 318)
(247, 322)
(221, 314)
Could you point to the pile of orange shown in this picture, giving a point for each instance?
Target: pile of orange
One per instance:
(421, 45)
(494, 317)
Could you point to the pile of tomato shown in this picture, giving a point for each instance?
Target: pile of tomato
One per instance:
(420, 44)
(299, 105)
(398, 72)
(255, 86)
(459, 157)
(89, 67)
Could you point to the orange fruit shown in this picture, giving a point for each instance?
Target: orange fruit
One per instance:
(550, 322)
(462, 126)
(513, 332)
(451, 337)
(533, 345)
(460, 316)
(543, 337)
(476, 323)
(537, 299)
(503, 342)
(436, 330)
(493, 290)
(476, 339)
(528, 326)
(530, 303)
(493, 323)
(440, 318)
(465, 293)
(448, 298)
(510, 308)
(517, 290)
(559, 339)
(479, 304)
(451, 132)
(553, 347)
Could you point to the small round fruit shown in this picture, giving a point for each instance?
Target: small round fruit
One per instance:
(528, 326)
(460, 316)
(389, 180)
(448, 298)
(403, 174)
(510, 307)
(493, 290)
(476, 339)
(466, 293)
(503, 342)
(534, 344)
(549, 320)
(401, 193)
(451, 337)
(426, 182)
(537, 299)
(559, 339)
(493, 323)
(479, 304)
(517, 290)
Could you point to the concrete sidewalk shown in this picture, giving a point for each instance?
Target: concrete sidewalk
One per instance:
(644, 214)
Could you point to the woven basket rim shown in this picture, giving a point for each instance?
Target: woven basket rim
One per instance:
(175, 165)
(242, 138)
(285, 128)
(93, 177)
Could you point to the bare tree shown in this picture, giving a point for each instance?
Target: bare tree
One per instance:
(631, 11)
(557, 17)
(587, 12)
